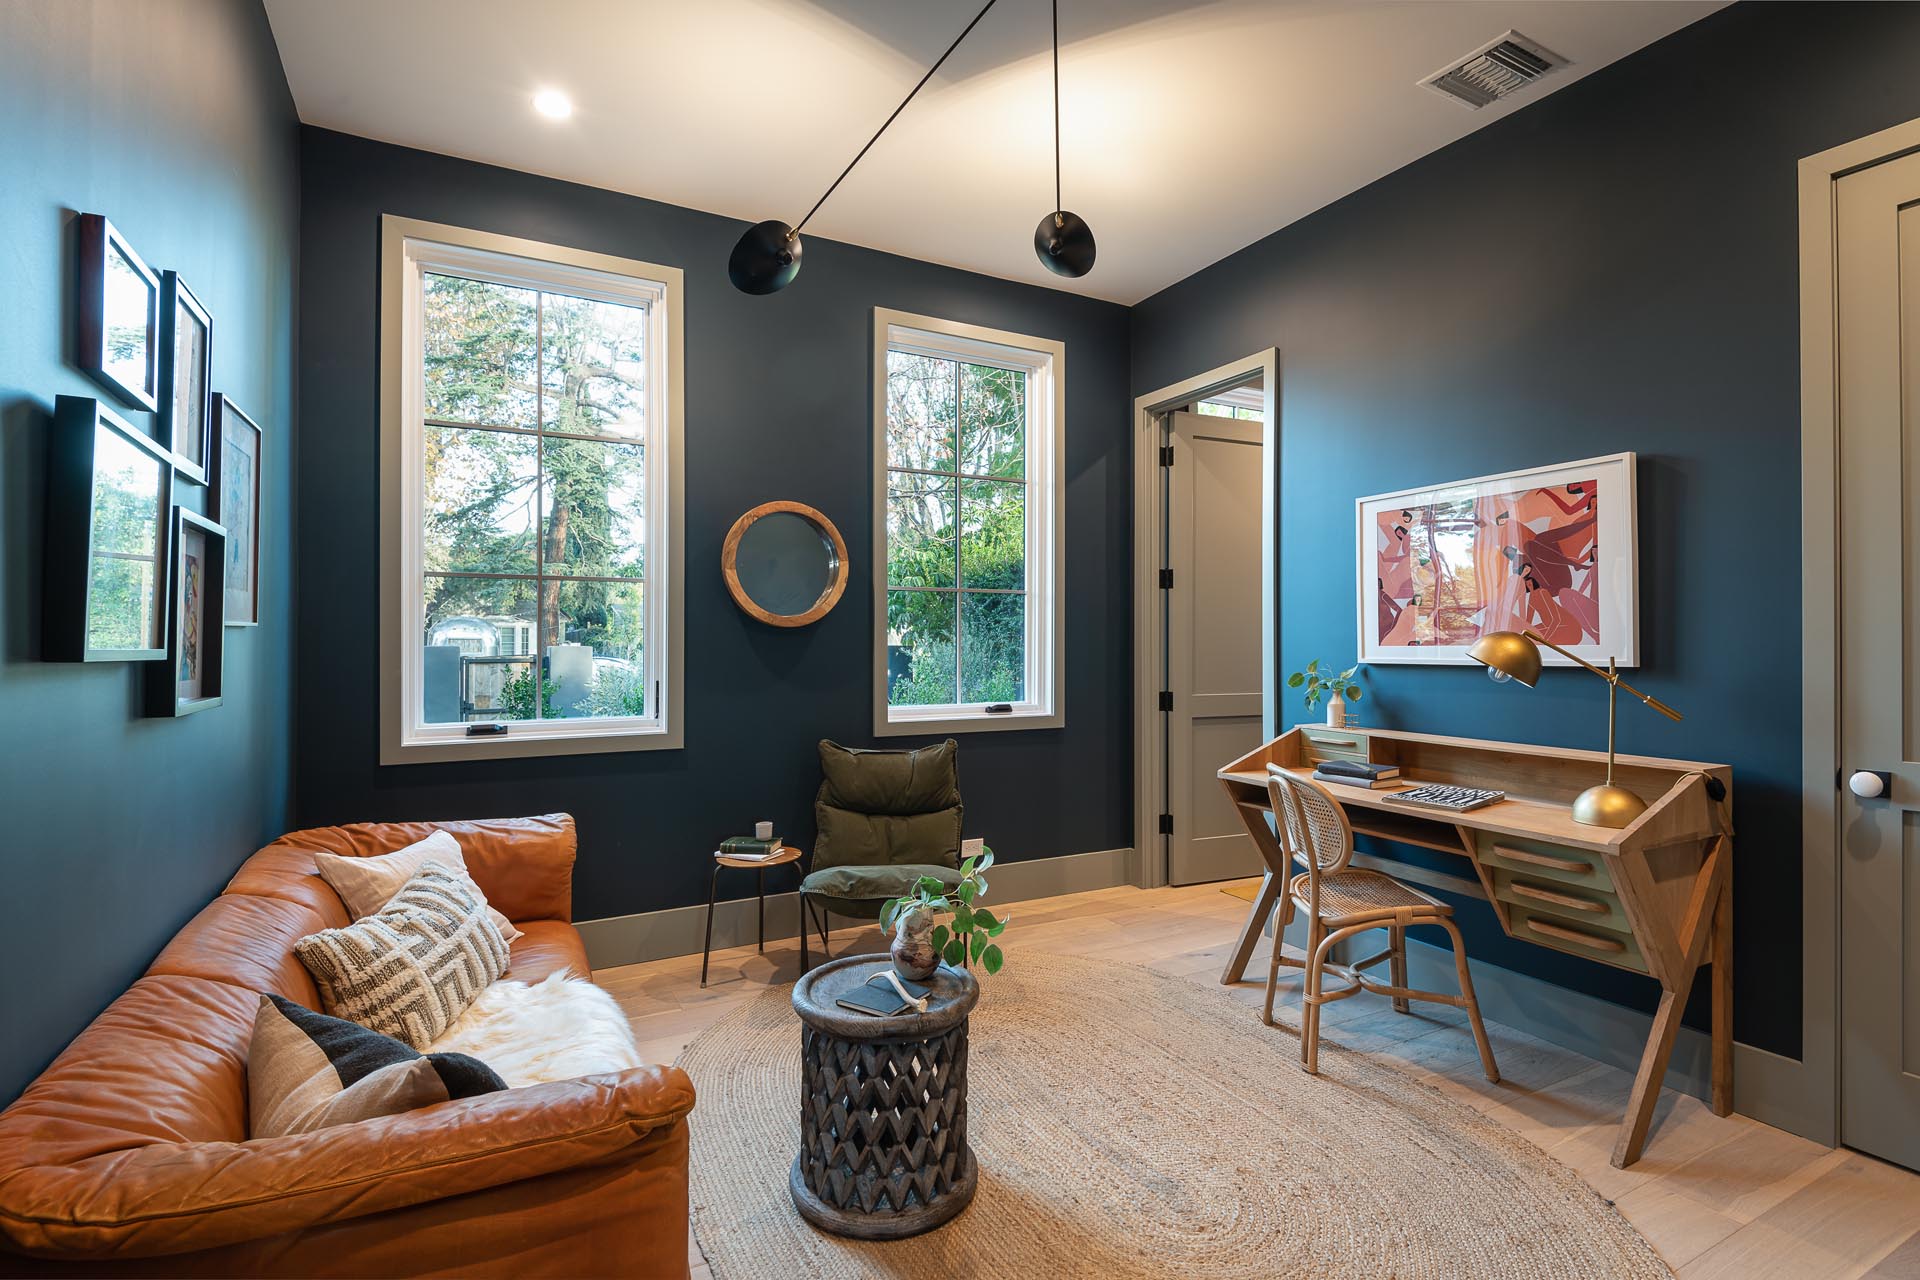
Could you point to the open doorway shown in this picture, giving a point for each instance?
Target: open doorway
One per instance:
(1205, 619)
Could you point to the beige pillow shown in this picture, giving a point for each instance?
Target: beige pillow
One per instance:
(412, 967)
(367, 884)
(306, 1071)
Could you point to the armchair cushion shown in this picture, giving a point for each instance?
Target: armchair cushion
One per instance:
(885, 808)
(872, 886)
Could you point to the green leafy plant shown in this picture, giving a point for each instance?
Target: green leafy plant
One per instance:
(1321, 686)
(967, 937)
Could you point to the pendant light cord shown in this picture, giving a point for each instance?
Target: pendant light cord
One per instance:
(923, 84)
(1056, 111)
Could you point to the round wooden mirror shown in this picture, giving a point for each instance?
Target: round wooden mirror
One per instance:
(785, 564)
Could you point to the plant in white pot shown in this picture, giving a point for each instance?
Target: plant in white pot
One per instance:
(921, 940)
(1338, 690)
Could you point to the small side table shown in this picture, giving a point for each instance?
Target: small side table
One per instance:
(883, 1106)
(787, 855)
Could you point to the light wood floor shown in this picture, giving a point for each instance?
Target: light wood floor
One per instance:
(1718, 1197)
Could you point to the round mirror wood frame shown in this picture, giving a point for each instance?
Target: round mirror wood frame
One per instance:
(836, 585)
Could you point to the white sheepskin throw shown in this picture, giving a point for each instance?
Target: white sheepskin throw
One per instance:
(556, 1029)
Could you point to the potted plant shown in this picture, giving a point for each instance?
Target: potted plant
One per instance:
(921, 941)
(1337, 690)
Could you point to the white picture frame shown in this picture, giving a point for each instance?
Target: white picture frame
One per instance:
(1560, 548)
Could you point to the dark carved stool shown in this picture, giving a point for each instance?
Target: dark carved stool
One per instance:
(883, 1112)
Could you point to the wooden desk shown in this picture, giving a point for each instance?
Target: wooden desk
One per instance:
(1655, 897)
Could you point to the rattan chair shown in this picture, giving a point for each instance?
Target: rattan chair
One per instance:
(1340, 901)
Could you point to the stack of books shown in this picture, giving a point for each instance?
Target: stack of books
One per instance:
(1358, 773)
(748, 848)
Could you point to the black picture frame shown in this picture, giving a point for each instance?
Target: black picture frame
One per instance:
(111, 273)
(195, 634)
(93, 565)
(186, 379)
(234, 499)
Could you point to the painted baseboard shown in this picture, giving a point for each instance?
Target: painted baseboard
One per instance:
(678, 931)
(1766, 1086)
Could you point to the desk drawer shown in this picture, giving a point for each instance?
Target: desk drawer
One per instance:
(1579, 905)
(1334, 744)
(1561, 934)
(1538, 860)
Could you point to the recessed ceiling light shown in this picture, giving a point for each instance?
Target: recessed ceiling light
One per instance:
(553, 104)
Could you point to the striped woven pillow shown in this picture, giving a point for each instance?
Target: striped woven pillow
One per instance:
(412, 967)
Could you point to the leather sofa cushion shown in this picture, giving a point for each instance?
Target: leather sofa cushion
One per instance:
(523, 865)
(545, 947)
(279, 871)
(165, 1063)
(247, 942)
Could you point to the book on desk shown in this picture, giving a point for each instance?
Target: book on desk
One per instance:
(1653, 897)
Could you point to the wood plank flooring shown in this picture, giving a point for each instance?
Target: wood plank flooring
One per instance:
(1718, 1197)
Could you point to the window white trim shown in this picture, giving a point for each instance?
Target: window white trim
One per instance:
(1044, 360)
(406, 246)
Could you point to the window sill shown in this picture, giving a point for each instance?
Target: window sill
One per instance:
(517, 745)
(889, 723)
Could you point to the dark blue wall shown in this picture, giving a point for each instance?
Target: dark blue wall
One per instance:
(172, 118)
(1614, 267)
(776, 407)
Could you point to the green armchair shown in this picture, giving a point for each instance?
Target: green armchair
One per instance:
(883, 819)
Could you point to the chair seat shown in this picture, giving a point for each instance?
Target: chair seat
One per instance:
(1353, 892)
(873, 885)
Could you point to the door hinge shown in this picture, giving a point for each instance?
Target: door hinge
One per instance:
(1166, 699)
(1166, 579)
(1166, 455)
(1166, 824)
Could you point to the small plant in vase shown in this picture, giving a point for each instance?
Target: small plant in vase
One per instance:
(1338, 690)
(921, 941)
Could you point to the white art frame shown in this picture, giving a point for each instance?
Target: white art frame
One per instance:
(1565, 563)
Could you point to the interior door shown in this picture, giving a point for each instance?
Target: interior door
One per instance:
(1877, 217)
(1213, 638)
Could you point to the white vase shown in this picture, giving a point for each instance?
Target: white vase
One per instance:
(1336, 712)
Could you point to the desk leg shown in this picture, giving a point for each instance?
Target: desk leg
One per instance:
(1250, 931)
(1699, 932)
(1723, 1001)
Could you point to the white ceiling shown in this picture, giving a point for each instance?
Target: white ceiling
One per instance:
(1189, 129)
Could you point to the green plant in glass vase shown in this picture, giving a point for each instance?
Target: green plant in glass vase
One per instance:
(965, 938)
(1337, 691)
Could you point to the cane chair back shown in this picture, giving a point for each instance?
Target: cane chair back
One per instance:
(1317, 830)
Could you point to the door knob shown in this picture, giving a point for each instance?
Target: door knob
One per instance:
(1869, 783)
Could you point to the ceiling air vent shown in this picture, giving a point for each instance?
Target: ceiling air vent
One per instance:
(1495, 71)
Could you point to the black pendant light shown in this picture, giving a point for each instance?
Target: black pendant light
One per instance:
(1063, 241)
(767, 258)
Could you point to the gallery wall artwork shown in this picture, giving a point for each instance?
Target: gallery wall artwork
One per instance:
(118, 314)
(234, 497)
(186, 369)
(190, 679)
(1551, 549)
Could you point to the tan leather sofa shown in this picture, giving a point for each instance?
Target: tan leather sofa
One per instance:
(129, 1156)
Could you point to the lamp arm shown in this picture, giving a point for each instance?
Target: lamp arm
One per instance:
(1645, 698)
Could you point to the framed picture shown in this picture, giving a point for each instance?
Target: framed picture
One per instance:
(189, 680)
(186, 372)
(1553, 549)
(107, 537)
(234, 495)
(119, 315)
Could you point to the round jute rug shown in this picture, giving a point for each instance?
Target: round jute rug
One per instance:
(1128, 1124)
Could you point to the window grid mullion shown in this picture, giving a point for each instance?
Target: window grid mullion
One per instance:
(959, 526)
(539, 502)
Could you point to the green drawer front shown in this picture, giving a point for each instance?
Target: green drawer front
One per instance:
(1580, 906)
(1538, 860)
(1335, 744)
(1561, 934)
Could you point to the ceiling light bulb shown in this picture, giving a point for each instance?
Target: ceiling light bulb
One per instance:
(553, 104)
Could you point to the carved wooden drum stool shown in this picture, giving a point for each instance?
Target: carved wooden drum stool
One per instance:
(883, 1106)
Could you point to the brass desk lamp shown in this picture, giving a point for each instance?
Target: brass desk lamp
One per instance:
(1510, 655)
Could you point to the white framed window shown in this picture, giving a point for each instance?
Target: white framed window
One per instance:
(530, 473)
(968, 436)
